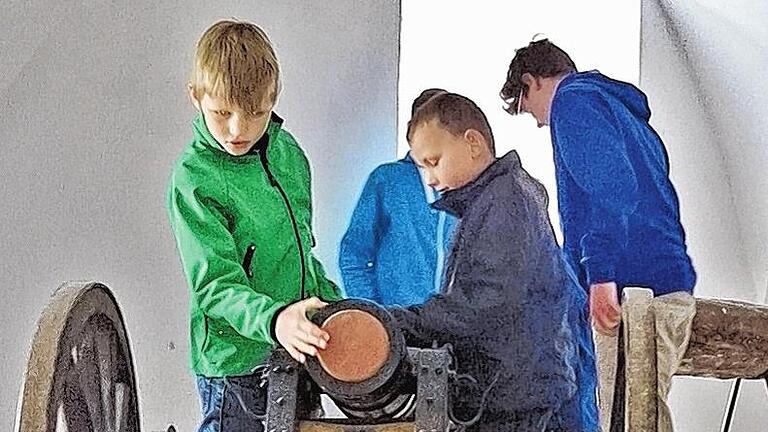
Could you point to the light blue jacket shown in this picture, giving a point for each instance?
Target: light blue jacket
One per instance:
(394, 249)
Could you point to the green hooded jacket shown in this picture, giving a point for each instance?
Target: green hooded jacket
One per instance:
(243, 228)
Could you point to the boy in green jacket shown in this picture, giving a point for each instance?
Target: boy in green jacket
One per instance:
(239, 203)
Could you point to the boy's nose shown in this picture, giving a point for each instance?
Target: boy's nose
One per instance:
(432, 181)
(235, 127)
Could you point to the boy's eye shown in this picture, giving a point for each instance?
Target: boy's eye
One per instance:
(223, 113)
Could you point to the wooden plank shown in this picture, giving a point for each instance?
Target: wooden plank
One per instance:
(319, 426)
(729, 340)
(640, 349)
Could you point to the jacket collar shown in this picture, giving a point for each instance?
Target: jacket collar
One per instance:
(204, 135)
(459, 200)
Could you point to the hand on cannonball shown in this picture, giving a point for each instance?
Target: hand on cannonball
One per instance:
(296, 333)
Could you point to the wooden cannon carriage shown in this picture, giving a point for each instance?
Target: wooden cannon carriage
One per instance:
(80, 372)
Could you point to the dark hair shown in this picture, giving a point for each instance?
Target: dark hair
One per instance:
(455, 113)
(542, 59)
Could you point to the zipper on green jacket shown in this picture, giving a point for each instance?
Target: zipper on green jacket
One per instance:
(273, 181)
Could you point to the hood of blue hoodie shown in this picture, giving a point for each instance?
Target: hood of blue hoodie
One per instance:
(620, 91)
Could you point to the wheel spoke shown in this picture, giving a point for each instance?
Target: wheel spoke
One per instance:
(121, 407)
(61, 419)
(72, 407)
(89, 381)
(104, 342)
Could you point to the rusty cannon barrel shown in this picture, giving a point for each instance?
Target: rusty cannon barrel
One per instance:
(365, 366)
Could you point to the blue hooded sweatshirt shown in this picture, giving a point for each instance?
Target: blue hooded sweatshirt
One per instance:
(395, 246)
(618, 209)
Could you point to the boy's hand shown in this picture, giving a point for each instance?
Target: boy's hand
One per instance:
(296, 333)
(604, 308)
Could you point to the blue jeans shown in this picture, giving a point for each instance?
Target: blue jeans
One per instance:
(233, 404)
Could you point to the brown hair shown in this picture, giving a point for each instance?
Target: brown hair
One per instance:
(234, 60)
(454, 112)
(542, 59)
(424, 97)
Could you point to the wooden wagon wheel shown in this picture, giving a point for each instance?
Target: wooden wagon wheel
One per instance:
(80, 374)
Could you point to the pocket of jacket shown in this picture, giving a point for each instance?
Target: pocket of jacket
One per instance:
(207, 337)
(248, 259)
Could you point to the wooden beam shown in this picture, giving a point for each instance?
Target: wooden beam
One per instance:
(320, 426)
(729, 340)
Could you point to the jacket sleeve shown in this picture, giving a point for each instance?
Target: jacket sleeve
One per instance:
(500, 305)
(492, 278)
(594, 154)
(219, 285)
(359, 245)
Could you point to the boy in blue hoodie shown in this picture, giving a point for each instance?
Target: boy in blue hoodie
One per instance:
(618, 209)
(395, 246)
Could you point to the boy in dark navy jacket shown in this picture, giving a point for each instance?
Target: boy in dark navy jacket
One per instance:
(508, 293)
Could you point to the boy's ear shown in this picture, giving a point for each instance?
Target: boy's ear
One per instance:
(530, 81)
(193, 97)
(476, 142)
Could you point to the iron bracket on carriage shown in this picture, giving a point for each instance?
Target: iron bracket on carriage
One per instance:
(378, 382)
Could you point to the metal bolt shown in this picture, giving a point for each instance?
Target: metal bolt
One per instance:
(277, 369)
(280, 400)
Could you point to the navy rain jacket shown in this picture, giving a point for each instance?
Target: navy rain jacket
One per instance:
(508, 294)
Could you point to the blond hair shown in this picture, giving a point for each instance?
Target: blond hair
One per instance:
(234, 60)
